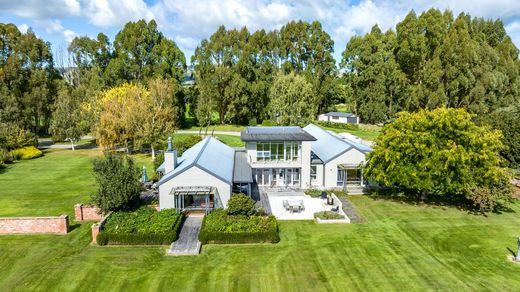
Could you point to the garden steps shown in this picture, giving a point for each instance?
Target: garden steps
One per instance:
(188, 242)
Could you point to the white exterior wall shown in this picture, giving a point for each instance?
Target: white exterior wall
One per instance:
(339, 120)
(193, 176)
(306, 164)
(351, 157)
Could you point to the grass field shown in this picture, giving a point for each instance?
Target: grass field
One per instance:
(401, 247)
(366, 132)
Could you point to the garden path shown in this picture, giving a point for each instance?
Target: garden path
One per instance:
(188, 242)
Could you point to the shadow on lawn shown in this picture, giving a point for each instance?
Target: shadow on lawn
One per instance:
(73, 226)
(410, 198)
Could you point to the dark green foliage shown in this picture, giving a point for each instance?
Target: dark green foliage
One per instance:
(507, 121)
(327, 215)
(219, 227)
(432, 61)
(441, 154)
(28, 79)
(145, 226)
(313, 192)
(118, 185)
(240, 204)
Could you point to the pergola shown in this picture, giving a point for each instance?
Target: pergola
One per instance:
(348, 180)
(180, 193)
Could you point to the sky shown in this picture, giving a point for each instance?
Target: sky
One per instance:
(188, 22)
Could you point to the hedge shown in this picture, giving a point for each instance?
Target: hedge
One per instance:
(218, 227)
(146, 235)
(351, 127)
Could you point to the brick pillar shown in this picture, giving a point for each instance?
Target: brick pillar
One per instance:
(95, 231)
(64, 224)
(78, 212)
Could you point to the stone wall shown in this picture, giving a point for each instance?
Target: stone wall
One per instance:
(34, 225)
(87, 213)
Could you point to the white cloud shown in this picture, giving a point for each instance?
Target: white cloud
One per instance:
(69, 35)
(110, 13)
(41, 9)
(23, 28)
(50, 26)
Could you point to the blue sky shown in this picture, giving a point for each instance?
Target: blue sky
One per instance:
(187, 22)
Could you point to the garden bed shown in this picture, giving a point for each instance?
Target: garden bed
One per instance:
(219, 227)
(145, 226)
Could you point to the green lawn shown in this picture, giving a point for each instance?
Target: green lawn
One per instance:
(52, 184)
(401, 247)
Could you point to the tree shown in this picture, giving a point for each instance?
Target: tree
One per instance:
(159, 112)
(27, 79)
(141, 53)
(118, 114)
(441, 153)
(508, 123)
(118, 185)
(292, 100)
(67, 119)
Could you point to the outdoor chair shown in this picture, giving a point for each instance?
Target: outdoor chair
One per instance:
(335, 209)
(286, 205)
(323, 195)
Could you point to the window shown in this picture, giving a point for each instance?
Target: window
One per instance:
(341, 177)
(335, 118)
(278, 151)
(313, 172)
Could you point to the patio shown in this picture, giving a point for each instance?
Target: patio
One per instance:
(310, 205)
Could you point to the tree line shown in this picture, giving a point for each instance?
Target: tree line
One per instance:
(286, 75)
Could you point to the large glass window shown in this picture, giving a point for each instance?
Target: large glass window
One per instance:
(341, 177)
(313, 172)
(278, 151)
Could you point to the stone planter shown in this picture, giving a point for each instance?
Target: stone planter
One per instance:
(332, 221)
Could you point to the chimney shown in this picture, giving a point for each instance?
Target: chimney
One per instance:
(170, 157)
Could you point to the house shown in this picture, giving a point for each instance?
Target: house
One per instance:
(336, 159)
(337, 117)
(204, 177)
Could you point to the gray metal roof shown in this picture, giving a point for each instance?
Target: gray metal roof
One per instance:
(330, 145)
(210, 155)
(340, 114)
(276, 133)
(242, 173)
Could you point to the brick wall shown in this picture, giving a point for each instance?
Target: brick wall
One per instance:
(34, 225)
(87, 213)
(96, 228)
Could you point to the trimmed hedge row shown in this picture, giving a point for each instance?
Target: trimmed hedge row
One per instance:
(26, 153)
(211, 234)
(351, 127)
(149, 238)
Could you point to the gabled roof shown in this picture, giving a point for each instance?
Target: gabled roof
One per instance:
(331, 145)
(210, 155)
(275, 133)
(339, 114)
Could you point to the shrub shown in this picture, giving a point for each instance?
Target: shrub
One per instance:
(252, 122)
(145, 226)
(240, 204)
(351, 127)
(184, 143)
(26, 153)
(219, 227)
(268, 123)
(313, 192)
(118, 183)
(327, 215)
